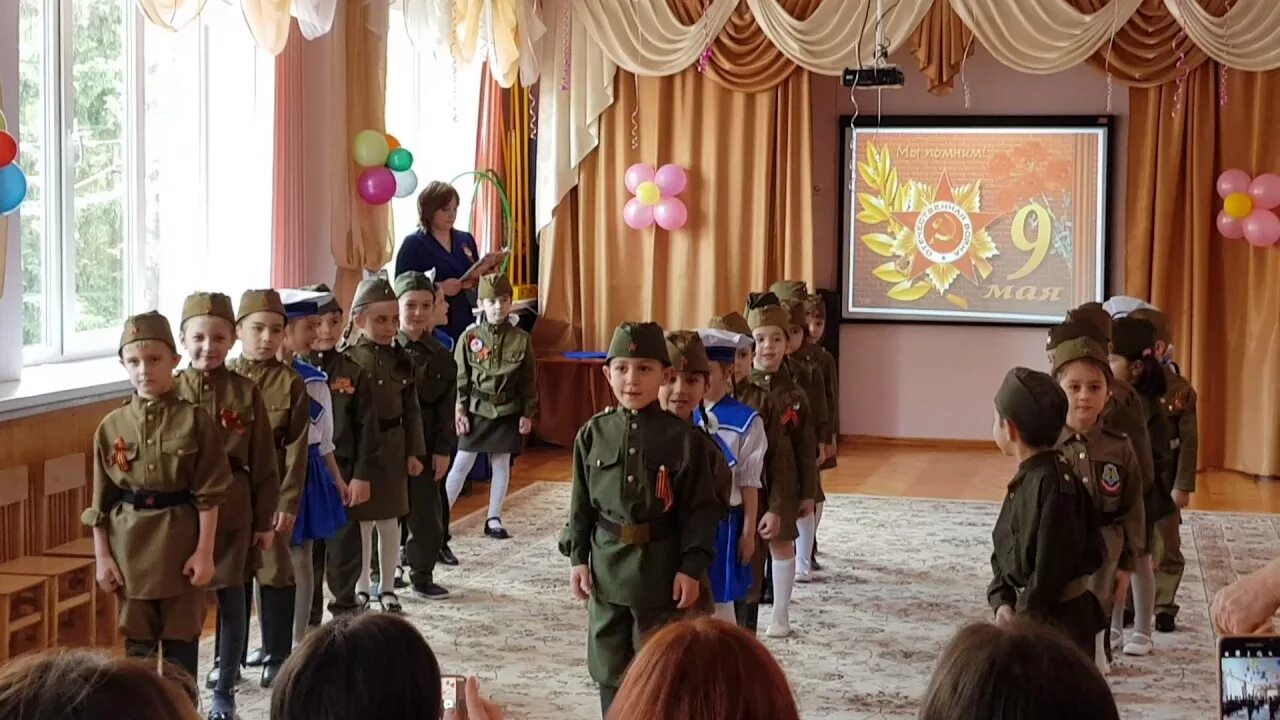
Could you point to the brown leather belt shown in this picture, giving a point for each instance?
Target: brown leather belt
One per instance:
(501, 398)
(641, 533)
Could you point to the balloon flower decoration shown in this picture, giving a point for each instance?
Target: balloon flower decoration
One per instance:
(387, 166)
(655, 197)
(13, 182)
(1247, 207)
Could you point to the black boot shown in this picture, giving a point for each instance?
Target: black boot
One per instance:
(276, 617)
(748, 615)
(183, 655)
(766, 589)
(317, 595)
(607, 694)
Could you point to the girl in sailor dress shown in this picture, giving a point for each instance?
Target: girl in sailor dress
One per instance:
(739, 432)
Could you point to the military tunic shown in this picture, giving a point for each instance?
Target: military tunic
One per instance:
(165, 445)
(803, 365)
(826, 362)
(395, 398)
(1125, 413)
(1046, 544)
(288, 408)
(620, 458)
(1179, 405)
(436, 382)
(1106, 464)
(236, 406)
(497, 385)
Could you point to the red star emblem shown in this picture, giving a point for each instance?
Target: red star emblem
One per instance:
(944, 233)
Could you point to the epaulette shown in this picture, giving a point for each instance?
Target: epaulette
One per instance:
(1119, 434)
(609, 409)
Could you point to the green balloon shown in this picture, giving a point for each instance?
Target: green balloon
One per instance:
(400, 160)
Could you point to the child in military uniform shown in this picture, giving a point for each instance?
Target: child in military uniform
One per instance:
(793, 483)
(321, 513)
(355, 448)
(207, 332)
(1105, 461)
(1133, 360)
(438, 319)
(436, 382)
(159, 477)
(642, 512)
(260, 323)
(1179, 404)
(374, 317)
(740, 433)
(1047, 540)
(497, 397)
(815, 311)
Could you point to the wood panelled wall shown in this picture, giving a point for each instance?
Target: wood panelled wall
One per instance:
(43, 488)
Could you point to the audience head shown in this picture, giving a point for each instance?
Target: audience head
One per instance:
(683, 391)
(330, 327)
(637, 364)
(207, 330)
(1018, 670)
(260, 320)
(375, 312)
(704, 669)
(89, 685)
(437, 207)
(373, 665)
(1031, 410)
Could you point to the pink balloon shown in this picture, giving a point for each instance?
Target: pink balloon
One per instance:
(1233, 181)
(637, 215)
(1261, 228)
(1230, 227)
(1265, 191)
(637, 174)
(671, 179)
(670, 213)
(376, 185)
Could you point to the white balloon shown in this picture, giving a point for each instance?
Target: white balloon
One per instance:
(406, 182)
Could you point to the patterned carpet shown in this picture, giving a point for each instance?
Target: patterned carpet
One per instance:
(902, 576)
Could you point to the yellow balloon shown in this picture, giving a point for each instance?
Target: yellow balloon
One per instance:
(648, 193)
(1238, 205)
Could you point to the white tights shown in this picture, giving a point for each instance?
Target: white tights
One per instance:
(388, 553)
(462, 464)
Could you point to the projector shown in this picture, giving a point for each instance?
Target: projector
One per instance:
(884, 76)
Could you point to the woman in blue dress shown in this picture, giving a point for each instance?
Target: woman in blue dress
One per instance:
(451, 252)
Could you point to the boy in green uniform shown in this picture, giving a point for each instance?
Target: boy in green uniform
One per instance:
(207, 331)
(436, 383)
(815, 312)
(355, 441)
(260, 321)
(643, 510)
(1179, 404)
(159, 477)
(1047, 540)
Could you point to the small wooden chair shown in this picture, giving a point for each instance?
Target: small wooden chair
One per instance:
(15, 506)
(61, 499)
(24, 614)
(71, 596)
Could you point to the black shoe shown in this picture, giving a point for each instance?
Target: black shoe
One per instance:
(447, 557)
(1165, 623)
(222, 715)
(269, 672)
(429, 591)
(256, 658)
(493, 528)
(211, 680)
(400, 583)
(1128, 617)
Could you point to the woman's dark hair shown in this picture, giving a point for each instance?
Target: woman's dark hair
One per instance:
(1020, 670)
(433, 197)
(90, 685)
(704, 669)
(371, 665)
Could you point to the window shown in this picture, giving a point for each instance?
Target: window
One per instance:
(149, 160)
(433, 105)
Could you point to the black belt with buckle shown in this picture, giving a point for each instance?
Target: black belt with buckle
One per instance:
(493, 398)
(145, 500)
(641, 533)
(237, 465)
(386, 425)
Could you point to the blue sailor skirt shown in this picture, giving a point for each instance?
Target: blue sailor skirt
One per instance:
(321, 513)
(730, 580)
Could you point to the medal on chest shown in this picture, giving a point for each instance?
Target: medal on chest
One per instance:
(231, 421)
(1110, 479)
(477, 347)
(791, 417)
(119, 456)
(342, 385)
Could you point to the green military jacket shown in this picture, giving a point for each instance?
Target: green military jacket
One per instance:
(162, 445)
(496, 371)
(1042, 537)
(781, 493)
(1125, 413)
(395, 398)
(1180, 405)
(796, 418)
(235, 404)
(288, 407)
(436, 378)
(1107, 465)
(619, 456)
(826, 363)
(1159, 501)
(355, 422)
(804, 368)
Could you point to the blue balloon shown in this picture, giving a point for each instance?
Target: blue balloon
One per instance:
(13, 188)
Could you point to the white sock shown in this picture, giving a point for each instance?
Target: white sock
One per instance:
(501, 464)
(366, 554)
(1117, 620)
(388, 553)
(724, 611)
(784, 578)
(462, 464)
(807, 527)
(817, 519)
(304, 574)
(1144, 596)
(1100, 652)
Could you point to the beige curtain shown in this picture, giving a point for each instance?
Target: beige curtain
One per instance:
(171, 14)
(1151, 48)
(646, 38)
(1245, 37)
(836, 36)
(1219, 293)
(940, 44)
(268, 22)
(1041, 36)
